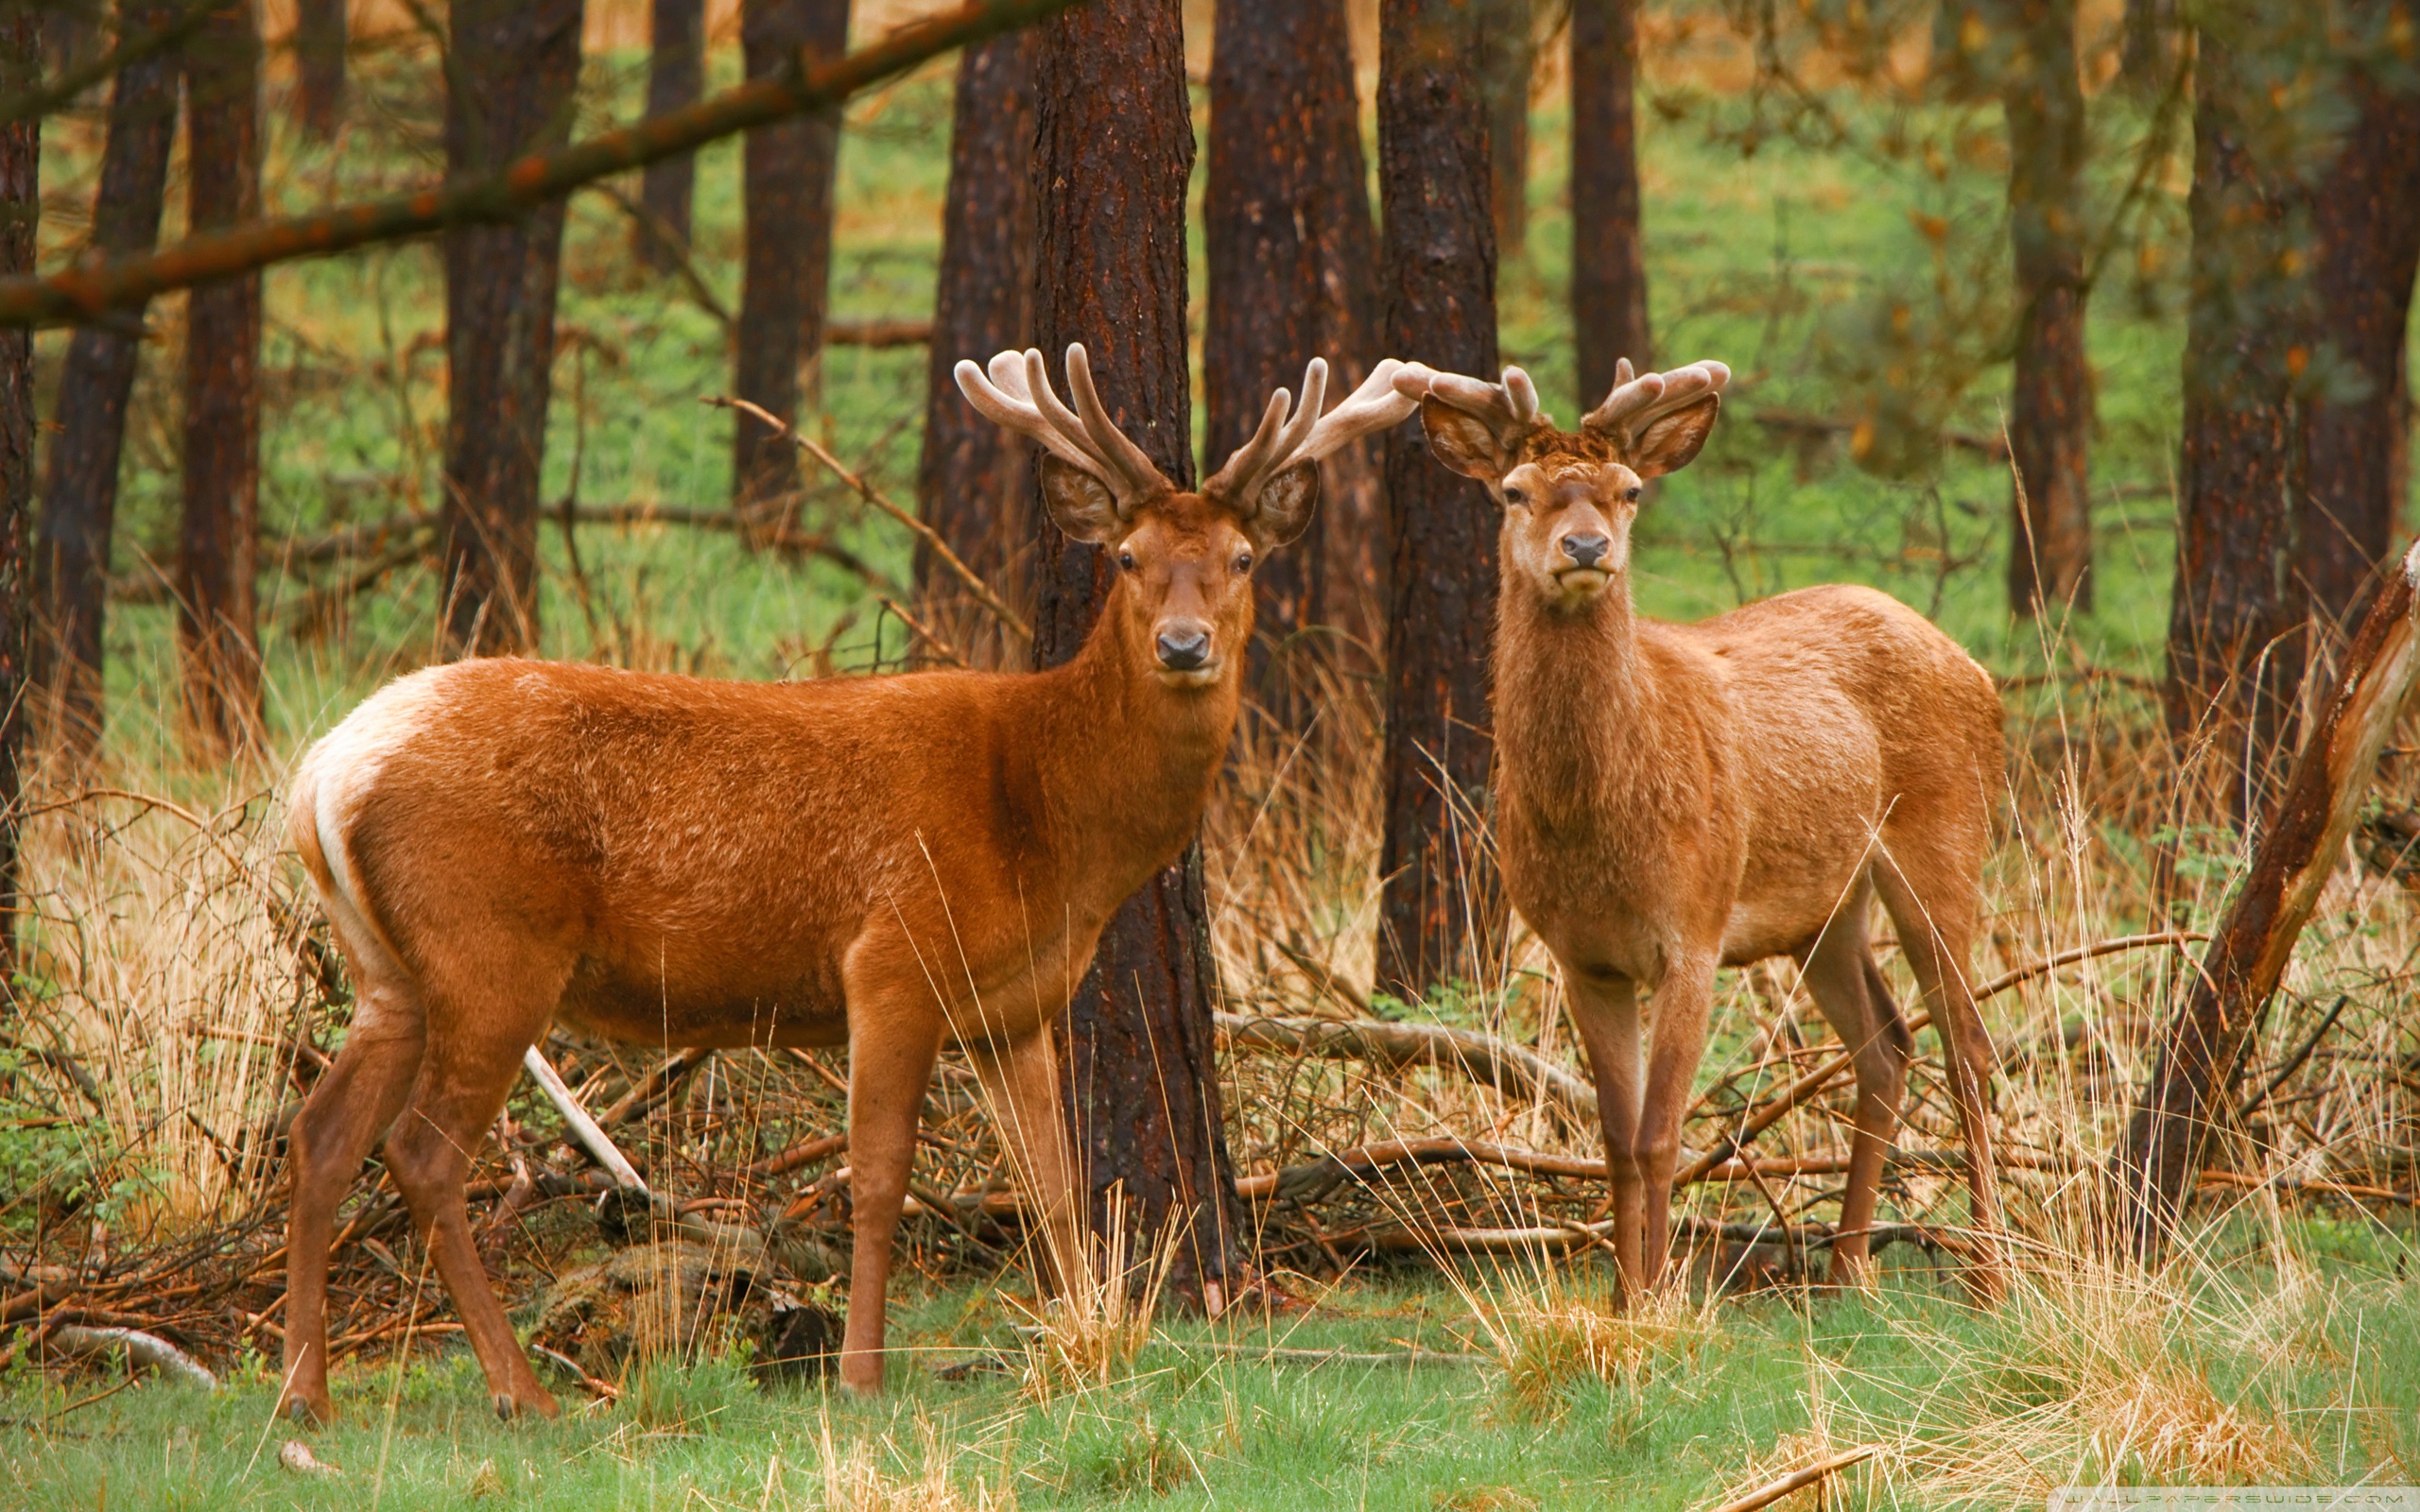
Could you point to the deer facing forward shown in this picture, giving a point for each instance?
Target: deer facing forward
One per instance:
(889, 864)
(1672, 799)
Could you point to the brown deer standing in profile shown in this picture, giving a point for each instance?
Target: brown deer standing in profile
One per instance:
(1671, 798)
(891, 863)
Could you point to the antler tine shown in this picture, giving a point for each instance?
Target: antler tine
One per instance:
(1306, 434)
(1142, 474)
(1017, 394)
(1636, 402)
(1508, 408)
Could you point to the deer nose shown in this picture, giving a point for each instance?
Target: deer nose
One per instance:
(1587, 551)
(1184, 650)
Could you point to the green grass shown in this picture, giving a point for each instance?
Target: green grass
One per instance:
(1192, 1428)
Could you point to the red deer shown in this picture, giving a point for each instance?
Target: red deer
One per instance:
(887, 862)
(1671, 798)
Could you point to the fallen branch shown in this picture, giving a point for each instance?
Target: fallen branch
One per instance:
(583, 1129)
(1514, 1068)
(1798, 1480)
(654, 1086)
(2315, 1186)
(1433, 1239)
(85, 291)
(806, 1152)
(145, 1350)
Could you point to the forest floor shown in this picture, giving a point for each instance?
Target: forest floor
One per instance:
(2289, 1362)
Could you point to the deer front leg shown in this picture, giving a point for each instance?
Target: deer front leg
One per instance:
(1021, 1080)
(1604, 1008)
(894, 1038)
(1684, 1001)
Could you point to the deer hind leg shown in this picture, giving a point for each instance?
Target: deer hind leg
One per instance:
(1021, 1081)
(463, 1080)
(1605, 1011)
(1848, 988)
(894, 1038)
(1933, 897)
(343, 1117)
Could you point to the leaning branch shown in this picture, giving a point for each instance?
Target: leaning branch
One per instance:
(1514, 1068)
(83, 293)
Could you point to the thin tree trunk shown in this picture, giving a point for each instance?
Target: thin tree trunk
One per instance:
(519, 62)
(1509, 59)
(972, 479)
(787, 268)
(216, 630)
(79, 493)
(2201, 1049)
(2050, 409)
(1442, 913)
(2367, 217)
(1113, 150)
(2234, 656)
(20, 208)
(1283, 226)
(2147, 54)
(1608, 270)
(319, 65)
(676, 77)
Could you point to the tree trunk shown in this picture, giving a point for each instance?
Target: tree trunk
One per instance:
(2050, 409)
(2367, 217)
(319, 65)
(519, 60)
(1113, 150)
(787, 262)
(2147, 51)
(20, 208)
(79, 495)
(2234, 656)
(2191, 1090)
(1507, 60)
(1442, 913)
(972, 480)
(676, 76)
(1285, 227)
(1608, 270)
(217, 635)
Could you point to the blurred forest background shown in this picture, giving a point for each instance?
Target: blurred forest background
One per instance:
(2080, 325)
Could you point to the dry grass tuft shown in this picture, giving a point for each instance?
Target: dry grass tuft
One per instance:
(1090, 1333)
(1551, 1331)
(855, 1480)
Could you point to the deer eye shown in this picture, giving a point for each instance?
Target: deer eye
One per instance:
(1243, 561)
(1633, 494)
(1126, 559)
(1516, 496)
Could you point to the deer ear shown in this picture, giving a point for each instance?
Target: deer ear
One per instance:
(1284, 509)
(1080, 503)
(1463, 442)
(1673, 441)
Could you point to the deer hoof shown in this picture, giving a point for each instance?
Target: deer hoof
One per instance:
(305, 1413)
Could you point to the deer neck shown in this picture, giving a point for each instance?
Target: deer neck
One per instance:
(1575, 707)
(1124, 763)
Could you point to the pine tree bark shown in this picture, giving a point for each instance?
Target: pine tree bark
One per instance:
(2051, 411)
(1608, 270)
(1289, 238)
(21, 59)
(219, 546)
(786, 183)
(2234, 648)
(2148, 49)
(676, 76)
(972, 480)
(80, 492)
(1441, 913)
(319, 65)
(2357, 430)
(519, 62)
(1509, 59)
(1113, 150)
